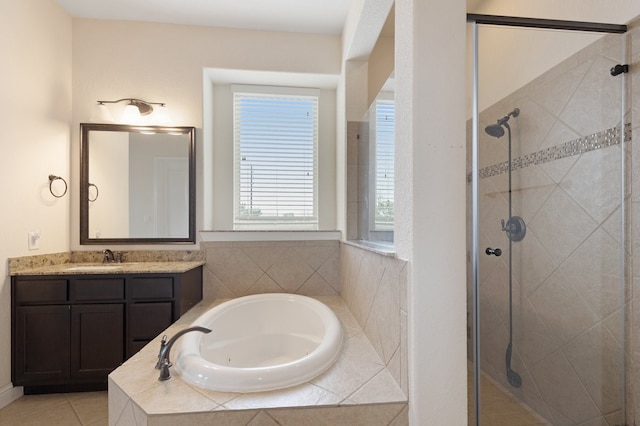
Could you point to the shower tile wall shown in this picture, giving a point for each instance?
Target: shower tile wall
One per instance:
(567, 300)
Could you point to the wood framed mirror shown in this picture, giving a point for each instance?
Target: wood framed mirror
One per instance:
(137, 184)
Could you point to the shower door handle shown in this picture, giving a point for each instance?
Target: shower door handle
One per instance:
(495, 251)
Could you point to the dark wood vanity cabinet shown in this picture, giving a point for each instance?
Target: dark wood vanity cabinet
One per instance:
(70, 332)
(155, 302)
(42, 344)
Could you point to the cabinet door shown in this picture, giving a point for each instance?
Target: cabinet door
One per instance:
(41, 345)
(97, 341)
(146, 321)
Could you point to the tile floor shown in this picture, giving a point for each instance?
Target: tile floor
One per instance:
(64, 409)
(90, 409)
(498, 408)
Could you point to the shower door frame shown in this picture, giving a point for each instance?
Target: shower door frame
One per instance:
(520, 22)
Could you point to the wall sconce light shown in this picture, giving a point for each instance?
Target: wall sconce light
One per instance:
(133, 111)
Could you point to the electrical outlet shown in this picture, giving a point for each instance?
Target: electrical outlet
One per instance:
(34, 239)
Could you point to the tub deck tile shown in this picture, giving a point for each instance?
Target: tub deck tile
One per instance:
(357, 389)
(297, 396)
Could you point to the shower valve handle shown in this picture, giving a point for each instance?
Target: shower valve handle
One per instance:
(495, 251)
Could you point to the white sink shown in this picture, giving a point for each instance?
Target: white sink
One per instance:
(94, 268)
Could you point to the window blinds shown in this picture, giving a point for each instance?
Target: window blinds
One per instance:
(275, 161)
(384, 160)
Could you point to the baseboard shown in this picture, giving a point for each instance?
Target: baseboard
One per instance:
(9, 393)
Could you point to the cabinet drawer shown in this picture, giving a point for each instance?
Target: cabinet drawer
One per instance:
(40, 291)
(96, 289)
(147, 320)
(151, 288)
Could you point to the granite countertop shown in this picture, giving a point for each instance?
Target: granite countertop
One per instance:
(110, 268)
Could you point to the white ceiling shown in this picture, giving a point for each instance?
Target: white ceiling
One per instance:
(304, 16)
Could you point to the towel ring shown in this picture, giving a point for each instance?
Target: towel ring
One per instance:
(97, 192)
(53, 178)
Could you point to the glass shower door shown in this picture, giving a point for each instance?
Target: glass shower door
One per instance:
(550, 255)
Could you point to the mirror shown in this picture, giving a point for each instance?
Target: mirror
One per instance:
(137, 184)
(372, 159)
(371, 148)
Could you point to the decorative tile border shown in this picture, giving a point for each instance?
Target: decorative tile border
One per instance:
(603, 139)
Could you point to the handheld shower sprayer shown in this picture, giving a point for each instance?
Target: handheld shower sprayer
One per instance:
(515, 229)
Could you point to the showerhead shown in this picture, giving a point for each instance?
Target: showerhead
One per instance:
(497, 130)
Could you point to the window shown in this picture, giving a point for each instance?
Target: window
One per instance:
(384, 170)
(275, 158)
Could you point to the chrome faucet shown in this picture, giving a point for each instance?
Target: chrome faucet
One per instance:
(108, 256)
(111, 257)
(164, 362)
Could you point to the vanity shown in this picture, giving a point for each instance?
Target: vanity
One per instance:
(75, 319)
(72, 324)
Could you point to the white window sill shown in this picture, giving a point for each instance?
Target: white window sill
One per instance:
(382, 248)
(209, 236)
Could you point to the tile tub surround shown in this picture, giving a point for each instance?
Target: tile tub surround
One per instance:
(234, 269)
(375, 293)
(356, 390)
(374, 287)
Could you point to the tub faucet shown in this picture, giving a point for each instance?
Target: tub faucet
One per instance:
(164, 362)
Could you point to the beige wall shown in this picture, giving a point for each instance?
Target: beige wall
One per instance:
(380, 67)
(430, 203)
(35, 82)
(166, 63)
(514, 50)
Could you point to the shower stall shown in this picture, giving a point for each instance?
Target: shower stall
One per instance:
(546, 195)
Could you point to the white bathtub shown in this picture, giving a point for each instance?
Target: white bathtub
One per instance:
(261, 342)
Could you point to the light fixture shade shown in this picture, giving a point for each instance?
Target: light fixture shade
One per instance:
(137, 111)
(101, 114)
(131, 114)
